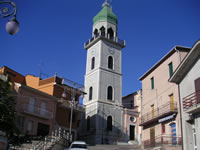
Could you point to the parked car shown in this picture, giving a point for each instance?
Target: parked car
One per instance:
(78, 145)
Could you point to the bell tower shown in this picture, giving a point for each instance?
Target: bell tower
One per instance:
(103, 79)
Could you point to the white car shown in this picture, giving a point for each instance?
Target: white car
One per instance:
(78, 145)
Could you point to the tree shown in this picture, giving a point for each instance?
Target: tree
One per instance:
(7, 108)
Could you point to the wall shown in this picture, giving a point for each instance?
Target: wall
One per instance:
(187, 87)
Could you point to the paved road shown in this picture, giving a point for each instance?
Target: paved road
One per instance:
(114, 147)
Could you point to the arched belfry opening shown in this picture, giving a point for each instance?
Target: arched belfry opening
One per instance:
(110, 33)
(95, 32)
(103, 31)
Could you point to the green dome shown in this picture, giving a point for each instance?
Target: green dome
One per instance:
(105, 14)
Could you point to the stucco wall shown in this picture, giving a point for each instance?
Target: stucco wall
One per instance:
(187, 87)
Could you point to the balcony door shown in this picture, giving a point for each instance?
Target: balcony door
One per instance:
(153, 111)
(197, 89)
(152, 136)
(31, 105)
(171, 97)
(43, 106)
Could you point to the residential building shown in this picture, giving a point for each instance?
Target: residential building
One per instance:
(132, 108)
(160, 117)
(35, 111)
(66, 91)
(187, 77)
(103, 80)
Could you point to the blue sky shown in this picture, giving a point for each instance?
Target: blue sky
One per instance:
(53, 33)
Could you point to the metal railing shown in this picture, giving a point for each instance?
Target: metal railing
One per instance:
(159, 112)
(106, 36)
(162, 140)
(191, 100)
(36, 111)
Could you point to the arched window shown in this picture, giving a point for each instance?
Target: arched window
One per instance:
(95, 33)
(109, 93)
(93, 63)
(90, 93)
(102, 29)
(109, 123)
(88, 123)
(110, 33)
(110, 62)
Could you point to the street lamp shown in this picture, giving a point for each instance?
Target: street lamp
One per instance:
(12, 26)
(72, 87)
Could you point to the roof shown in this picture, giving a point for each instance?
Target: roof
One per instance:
(105, 14)
(78, 142)
(163, 59)
(188, 62)
(35, 91)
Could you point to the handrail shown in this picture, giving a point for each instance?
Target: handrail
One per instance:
(167, 107)
(191, 100)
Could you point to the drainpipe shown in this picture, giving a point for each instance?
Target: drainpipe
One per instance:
(180, 108)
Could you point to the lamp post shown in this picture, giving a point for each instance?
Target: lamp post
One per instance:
(73, 87)
(12, 26)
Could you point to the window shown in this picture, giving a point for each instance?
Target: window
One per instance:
(90, 93)
(88, 123)
(93, 63)
(109, 123)
(30, 125)
(110, 62)
(132, 105)
(43, 108)
(102, 30)
(163, 128)
(110, 33)
(31, 105)
(20, 121)
(109, 93)
(170, 69)
(152, 83)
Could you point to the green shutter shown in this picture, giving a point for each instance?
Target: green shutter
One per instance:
(170, 69)
(152, 83)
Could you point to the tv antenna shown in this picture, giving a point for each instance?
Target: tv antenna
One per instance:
(41, 70)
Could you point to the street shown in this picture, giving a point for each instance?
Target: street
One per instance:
(114, 147)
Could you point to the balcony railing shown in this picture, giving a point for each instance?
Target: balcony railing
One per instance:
(162, 140)
(105, 36)
(164, 110)
(191, 100)
(36, 111)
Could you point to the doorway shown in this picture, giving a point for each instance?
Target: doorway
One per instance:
(43, 129)
(132, 132)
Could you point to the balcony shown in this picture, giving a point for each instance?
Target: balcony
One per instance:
(36, 111)
(163, 111)
(191, 103)
(162, 140)
(106, 37)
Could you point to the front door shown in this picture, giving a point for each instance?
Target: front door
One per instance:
(152, 136)
(132, 132)
(173, 132)
(43, 129)
(197, 89)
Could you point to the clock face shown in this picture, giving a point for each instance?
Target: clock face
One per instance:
(111, 51)
(93, 51)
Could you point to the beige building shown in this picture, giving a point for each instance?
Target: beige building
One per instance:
(160, 117)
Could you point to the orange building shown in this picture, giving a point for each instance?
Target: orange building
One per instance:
(60, 88)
